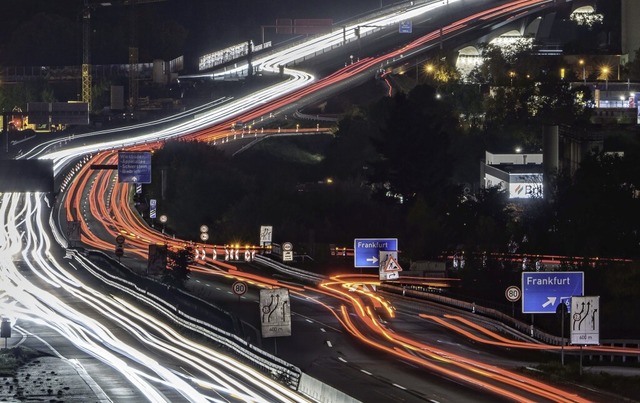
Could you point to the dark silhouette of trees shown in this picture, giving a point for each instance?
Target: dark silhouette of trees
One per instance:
(414, 156)
(598, 210)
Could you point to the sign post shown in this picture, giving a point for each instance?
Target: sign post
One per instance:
(543, 291)
(389, 267)
(119, 246)
(134, 167)
(366, 251)
(239, 288)
(275, 312)
(585, 320)
(5, 330)
(513, 295)
(287, 252)
(405, 27)
(266, 235)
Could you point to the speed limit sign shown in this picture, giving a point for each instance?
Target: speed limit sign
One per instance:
(512, 293)
(239, 288)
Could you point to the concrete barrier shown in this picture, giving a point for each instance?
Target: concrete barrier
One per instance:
(322, 392)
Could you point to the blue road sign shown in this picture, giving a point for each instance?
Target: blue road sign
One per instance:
(134, 166)
(366, 251)
(153, 205)
(542, 292)
(405, 27)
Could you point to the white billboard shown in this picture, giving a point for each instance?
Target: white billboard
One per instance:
(525, 186)
(275, 312)
(585, 320)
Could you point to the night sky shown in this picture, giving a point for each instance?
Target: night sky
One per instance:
(46, 32)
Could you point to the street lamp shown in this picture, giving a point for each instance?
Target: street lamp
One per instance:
(605, 72)
(511, 75)
(584, 71)
(429, 68)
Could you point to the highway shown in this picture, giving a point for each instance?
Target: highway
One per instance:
(159, 360)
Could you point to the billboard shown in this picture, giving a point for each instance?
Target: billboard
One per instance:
(284, 26)
(275, 312)
(525, 186)
(70, 113)
(39, 112)
(26, 176)
(312, 26)
(303, 26)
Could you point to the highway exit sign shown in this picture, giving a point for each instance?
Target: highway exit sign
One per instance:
(366, 251)
(542, 292)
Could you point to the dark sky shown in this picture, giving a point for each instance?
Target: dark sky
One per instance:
(48, 32)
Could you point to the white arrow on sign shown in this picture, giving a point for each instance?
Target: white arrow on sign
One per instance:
(372, 259)
(550, 301)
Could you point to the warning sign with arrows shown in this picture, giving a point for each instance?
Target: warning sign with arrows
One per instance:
(585, 320)
(389, 267)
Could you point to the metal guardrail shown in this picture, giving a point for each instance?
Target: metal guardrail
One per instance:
(276, 367)
(518, 325)
(522, 327)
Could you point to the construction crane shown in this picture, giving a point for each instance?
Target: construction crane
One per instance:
(133, 46)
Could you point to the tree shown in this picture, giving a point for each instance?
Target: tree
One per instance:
(598, 211)
(414, 149)
(177, 272)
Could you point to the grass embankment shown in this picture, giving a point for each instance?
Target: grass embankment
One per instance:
(624, 386)
(13, 358)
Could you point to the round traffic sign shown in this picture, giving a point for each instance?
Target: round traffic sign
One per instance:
(239, 288)
(287, 246)
(204, 236)
(120, 239)
(512, 293)
(204, 228)
(163, 218)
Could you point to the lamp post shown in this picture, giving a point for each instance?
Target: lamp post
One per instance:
(605, 72)
(429, 68)
(584, 71)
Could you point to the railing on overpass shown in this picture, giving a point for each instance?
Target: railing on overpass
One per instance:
(10, 74)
